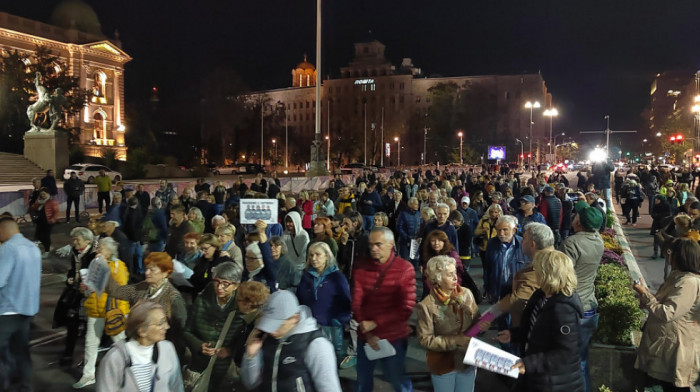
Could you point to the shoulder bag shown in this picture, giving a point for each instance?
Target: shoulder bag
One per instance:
(115, 319)
(199, 382)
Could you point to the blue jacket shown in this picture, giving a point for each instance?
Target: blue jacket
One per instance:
(448, 228)
(20, 276)
(523, 221)
(471, 218)
(328, 296)
(370, 209)
(161, 223)
(503, 263)
(408, 224)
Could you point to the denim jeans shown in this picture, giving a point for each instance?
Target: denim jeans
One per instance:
(394, 368)
(608, 198)
(589, 323)
(14, 348)
(136, 260)
(156, 246)
(462, 381)
(368, 222)
(335, 335)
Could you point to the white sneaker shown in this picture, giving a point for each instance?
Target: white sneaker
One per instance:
(83, 382)
(45, 255)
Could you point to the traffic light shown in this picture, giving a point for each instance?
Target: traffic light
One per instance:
(529, 155)
(676, 138)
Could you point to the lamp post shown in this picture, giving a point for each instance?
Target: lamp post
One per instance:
(522, 150)
(551, 113)
(328, 153)
(274, 145)
(531, 106)
(555, 147)
(461, 140)
(398, 151)
(696, 110)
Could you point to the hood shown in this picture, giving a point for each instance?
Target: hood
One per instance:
(307, 322)
(296, 219)
(574, 301)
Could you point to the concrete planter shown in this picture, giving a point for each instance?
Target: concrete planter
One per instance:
(613, 366)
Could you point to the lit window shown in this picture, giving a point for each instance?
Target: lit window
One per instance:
(373, 87)
(301, 80)
(308, 80)
(99, 81)
(99, 126)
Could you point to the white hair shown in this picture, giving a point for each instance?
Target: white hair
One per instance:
(509, 220)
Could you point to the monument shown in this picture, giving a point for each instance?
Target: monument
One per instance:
(44, 143)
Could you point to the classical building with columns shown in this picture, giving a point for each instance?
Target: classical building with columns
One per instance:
(373, 95)
(98, 61)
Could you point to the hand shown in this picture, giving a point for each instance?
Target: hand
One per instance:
(503, 336)
(344, 238)
(367, 326)
(208, 350)
(484, 326)
(261, 225)
(224, 253)
(462, 340)
(83, 287)
(254, 343)
(520, 366)
(69, 281)
(373, 341)
(640, 286)
(223, 353)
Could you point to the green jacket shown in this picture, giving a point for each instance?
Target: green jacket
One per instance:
(585, 249)
(104, 184)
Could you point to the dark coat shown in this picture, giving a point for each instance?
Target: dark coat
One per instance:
(208, 212)
(74, 188)
(553, 355)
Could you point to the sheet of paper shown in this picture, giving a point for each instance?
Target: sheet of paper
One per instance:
(488, 357)
(415, 246)
(385, 350)
(97, 275)
(253, 209)
(181, 274)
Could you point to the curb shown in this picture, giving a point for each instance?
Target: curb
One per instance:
(627, 255)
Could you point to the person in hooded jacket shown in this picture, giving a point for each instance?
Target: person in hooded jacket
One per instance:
(296, 238)
(407, 227)
(549, 331)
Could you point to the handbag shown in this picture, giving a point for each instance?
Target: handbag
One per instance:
(440, 362)
(199, 382)
(115, 319)
(67, 307)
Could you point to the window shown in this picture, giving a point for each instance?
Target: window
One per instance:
(98, 86)
(295, 105)
(364, 87)
(308, 80)
(301, 80)
(391, 85)
(417, 99)
(373, 87)
(401, 86)
(295, 117)
(401, 99)
(99, 124)
(307, 104)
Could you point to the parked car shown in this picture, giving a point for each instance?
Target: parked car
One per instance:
(87, 172)
(249, 168)
(561, 168)
(226, 169)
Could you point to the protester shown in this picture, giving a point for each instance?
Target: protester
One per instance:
(74, 188)
(211, 257)
(46, 211)
(296, 238)
(322, 232)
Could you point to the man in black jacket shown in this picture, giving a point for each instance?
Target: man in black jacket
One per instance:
(74, 187)
(144, 199)
(550, 207)
(208, 209)
(132, 222)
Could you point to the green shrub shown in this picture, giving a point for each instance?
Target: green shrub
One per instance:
(76, 154)
(609, 219)
(617, 306)
(137, 159)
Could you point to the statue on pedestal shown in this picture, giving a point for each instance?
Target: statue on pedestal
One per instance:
(47, 107)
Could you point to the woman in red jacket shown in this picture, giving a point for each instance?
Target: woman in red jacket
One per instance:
(307, 207)
(46, 210)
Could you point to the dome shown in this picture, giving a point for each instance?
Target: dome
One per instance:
(306, 65)
(76, 14)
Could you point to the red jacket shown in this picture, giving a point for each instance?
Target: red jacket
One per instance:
(391, 304)
(50, 209)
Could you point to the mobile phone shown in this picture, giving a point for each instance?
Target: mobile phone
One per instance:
(638, 281)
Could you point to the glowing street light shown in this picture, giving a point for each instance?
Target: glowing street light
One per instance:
(551, 113)
(398, 151)
(531, 106)
(461, 140)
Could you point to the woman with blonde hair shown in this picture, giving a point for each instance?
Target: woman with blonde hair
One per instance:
(548, 334)
(443, 318)
(196, 220)
(225, 234)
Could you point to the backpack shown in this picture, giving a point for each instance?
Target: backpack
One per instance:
(149, 230)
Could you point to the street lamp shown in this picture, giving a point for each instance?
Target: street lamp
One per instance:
(531, 106)
(555, 146)
(328, 155)
(461, 140)
(696, 110)
(398, 151)
(551, 113)
(274, 144)
(522, 152)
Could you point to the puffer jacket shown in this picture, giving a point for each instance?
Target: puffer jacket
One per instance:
(391, 304)
(503, 264)
(551, 209)
(551, 346)
(408, 224)
(96, 306)
(670, 345)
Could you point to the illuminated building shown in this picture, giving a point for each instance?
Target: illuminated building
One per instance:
(84, 52)
(399, 97)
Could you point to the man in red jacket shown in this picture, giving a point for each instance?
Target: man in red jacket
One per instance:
(384, 294)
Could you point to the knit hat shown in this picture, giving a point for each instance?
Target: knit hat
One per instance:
(591, 218)
(281, 305)
(254, 249)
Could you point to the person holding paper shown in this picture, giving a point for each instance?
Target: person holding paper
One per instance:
(96, 308)
(549, 332)
(443, 318)
(384, 294)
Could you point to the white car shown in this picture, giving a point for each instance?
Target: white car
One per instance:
(227, 169)
(87, 172)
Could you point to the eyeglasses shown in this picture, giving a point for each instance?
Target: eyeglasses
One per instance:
(221, 283)
(205, 248)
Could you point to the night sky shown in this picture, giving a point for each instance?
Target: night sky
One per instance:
(597, 57)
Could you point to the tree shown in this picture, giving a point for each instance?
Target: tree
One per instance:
(17, 92)
(675, 125)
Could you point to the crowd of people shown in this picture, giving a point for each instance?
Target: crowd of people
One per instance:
(283, 305)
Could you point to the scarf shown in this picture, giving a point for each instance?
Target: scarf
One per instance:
(453, 300)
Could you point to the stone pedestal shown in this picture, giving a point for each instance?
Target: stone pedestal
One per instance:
(317, 166)
(48, 150)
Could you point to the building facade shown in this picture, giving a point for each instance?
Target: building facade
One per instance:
(84, 52)
(373, 97)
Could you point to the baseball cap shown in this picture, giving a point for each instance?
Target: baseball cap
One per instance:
(281, 305)
(591, 218)
(465, 199)
(528, 198)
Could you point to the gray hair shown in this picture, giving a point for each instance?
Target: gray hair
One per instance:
(82, 232)
(442, 205)
(225, 229)
(451, 202)
(156, 203)
(429, 211)
(228, 271)
(388, 234)
(436, 266)
(330, 259)
(509, 220)
(413, 200)
(495, 207)
(541, 234)
(278, 241)
(217, 218)
(197, 213)
(111, 245)
(591, 195)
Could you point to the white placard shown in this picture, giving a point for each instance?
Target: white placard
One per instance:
(97, 275)
(488, 357)
(385, 350)
(181, 274)
(413, 253)
(258, 209)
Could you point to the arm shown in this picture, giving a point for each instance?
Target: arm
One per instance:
(677, 304)
(178, 311)
(251, 370)
(569, 248)
(6, 266)
(343, 304)
(426, 333)
(111, 371)
(125, 293)
(269, 262)
(319, 360)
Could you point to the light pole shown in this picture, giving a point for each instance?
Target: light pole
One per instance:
(328, 155)
(461, 140)
(398, 151)
(522, 150)
(551, 113)
(531, 106)
(555, 146)
(425, 138)
(262, 131)
(696, 110)
(274, 145)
